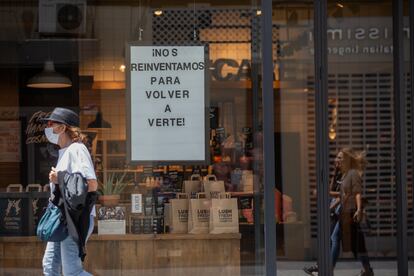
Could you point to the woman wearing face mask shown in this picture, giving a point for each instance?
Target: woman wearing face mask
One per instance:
(63, 130)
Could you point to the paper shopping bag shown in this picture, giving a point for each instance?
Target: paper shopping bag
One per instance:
(199, 214)
(224, 215)
(193, 185)
(179, 214)
(213, 187)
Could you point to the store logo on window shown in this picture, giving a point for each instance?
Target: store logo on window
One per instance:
(221, 69)
(35, 128)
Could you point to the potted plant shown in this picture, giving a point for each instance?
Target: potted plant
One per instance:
(111, 189)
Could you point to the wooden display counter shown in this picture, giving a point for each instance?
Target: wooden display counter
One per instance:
(163, 254)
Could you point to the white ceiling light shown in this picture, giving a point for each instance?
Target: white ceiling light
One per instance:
(49, 78)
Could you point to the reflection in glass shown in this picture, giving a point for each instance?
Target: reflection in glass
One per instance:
(360, 76)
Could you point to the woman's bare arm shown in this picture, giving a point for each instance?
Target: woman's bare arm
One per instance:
(334, 193)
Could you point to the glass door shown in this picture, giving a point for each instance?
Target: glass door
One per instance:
(361, 136)
(294, 136)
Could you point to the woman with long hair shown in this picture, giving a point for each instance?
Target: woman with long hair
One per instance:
(346, 209)
(63, 130)
(352, 165)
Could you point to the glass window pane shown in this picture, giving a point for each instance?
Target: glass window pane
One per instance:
(407, 83)
(77, 53)
(361, 133)
(295, 152)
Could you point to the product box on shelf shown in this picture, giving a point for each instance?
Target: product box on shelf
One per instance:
(146, 225)
(111, 220)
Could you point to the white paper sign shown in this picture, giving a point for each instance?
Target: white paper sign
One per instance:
(167, 106)
(111, 227)
(136, 203)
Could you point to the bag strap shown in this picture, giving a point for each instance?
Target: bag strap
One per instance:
(14, 186)
(181, 195)
(211, 177)
(224, 195)
(195, 177)
(37, 187)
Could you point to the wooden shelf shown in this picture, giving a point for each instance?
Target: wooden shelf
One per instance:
(121, 170)
(136, 237)
(126, 254)
(235, 236)
(241, 194)
(246, 223)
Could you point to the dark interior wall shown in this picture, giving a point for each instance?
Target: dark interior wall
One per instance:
(9, 102)
(64, 55)
(39, 156)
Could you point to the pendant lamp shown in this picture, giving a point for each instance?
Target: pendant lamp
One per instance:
(99, 122)
(49, 78)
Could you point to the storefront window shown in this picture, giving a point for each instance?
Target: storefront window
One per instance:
(295, 187)
(169, 95)
(407, 83)
(360, 85)
(201, 131)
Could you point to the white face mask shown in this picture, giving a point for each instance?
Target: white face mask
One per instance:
(51, 136)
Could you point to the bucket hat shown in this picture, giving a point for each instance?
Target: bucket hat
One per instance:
(64, 116)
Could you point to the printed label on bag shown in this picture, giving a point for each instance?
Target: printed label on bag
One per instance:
(182, 215)
(215, 194)
(225, 215)
(203, 215)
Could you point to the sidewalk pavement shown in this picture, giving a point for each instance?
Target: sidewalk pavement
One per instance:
(284, 268)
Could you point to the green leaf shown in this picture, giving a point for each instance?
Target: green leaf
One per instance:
(112, 184)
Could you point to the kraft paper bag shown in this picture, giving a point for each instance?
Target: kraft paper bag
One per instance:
(199, 214)
(167, 214)
(247, 181)
(193, 185)
(179, 214)
(224, 215)
(213, 187)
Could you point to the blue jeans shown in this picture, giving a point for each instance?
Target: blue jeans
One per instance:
(335, 243)
(64, 256)
(336, 237)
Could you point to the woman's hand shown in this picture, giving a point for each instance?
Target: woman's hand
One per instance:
(92, 185)
(335, 203)
(358, 216)
(53, 176)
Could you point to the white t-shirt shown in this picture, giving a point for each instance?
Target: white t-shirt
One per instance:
(76, 159)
